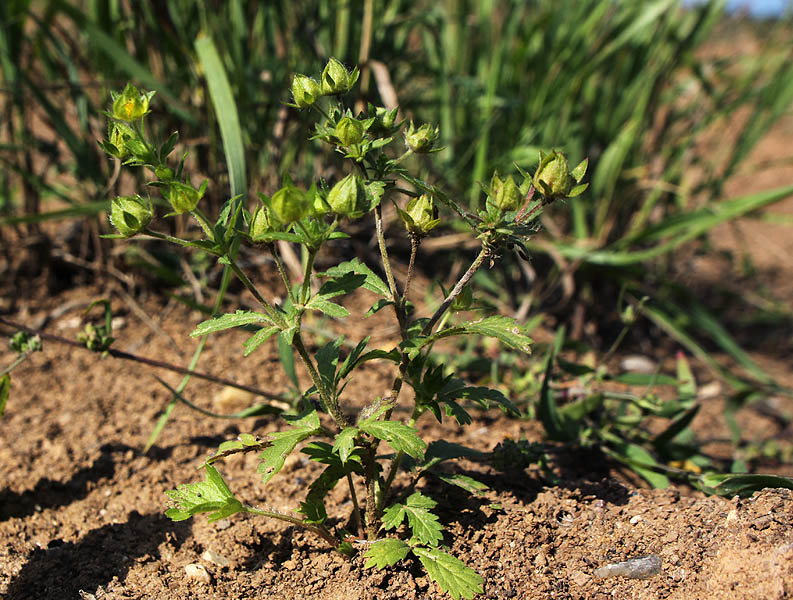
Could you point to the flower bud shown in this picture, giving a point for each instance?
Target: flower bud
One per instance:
(348, 196)
(553, 177)
(420, 215)
(349, 131)
(305, 90)
(261, 225)
(336, 79)
(421, 140)
(130, 214)
(118, 137)
(183, 197)
(290, 203)
(505, 193)
(131, 105)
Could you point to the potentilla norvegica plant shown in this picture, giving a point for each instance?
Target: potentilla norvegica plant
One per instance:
(388, 524)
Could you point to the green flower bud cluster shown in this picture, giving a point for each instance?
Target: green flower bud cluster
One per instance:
(130, 215)
(262, 224)
(23, 342)
(335, 80)
(420, 215)
(505, 193)
(554, 179)
(385, 121)
(422, 139)
(183, 197)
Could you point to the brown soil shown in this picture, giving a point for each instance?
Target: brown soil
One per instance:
(81, 508)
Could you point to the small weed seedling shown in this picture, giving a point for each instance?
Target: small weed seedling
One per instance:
(348, 445)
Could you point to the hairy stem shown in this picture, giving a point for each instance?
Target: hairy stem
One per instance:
(282, 271)
(319, 530)
(330, 403)
(478, 261)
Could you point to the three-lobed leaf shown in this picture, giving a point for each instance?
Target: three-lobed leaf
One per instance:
(423, 523)
(450, 573)
(386, 552)
(399, 436)
(211, 495)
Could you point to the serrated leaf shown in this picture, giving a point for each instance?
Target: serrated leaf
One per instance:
(398, 435)
(393, 516)
(229, 320)
(258, 338)
(469, 484)
(384, 553)
(345, 442)
(313, 510)
(450, 573)
(283, 442)
(373, 282)
(329, 308)
(211, 495)
(340, 285)
(503, 329)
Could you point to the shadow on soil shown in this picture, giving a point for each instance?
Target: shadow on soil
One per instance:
(64, 569)
(48, 493)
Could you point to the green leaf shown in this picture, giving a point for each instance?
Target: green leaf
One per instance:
(345, 442)
(329, 308)
(424, 524)
(686, 385)
(557, 428)
(373, 282)
(283, 442)
(229, 320)
(398, 435)
(211, 495)
(728, 485)
(258, 338)
(502, 328)
(5, 387)
(469, 484)
(226, 111)
(641, 461)
(327, 360)
(450, 573)
(377, 306)
(384, 553)
(343, 284)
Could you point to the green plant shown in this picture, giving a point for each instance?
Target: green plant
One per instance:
(347, 444)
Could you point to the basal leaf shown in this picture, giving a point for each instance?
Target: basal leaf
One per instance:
(384, 553)
(398, 435)
(258, 338)
(211, 495)
(450, 573)
(283, 442)
(229, 320)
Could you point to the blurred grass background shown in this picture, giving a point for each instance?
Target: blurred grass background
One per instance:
(641, 88)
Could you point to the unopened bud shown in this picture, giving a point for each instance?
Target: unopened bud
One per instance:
(422, 139)
(505, 193)
(289, 204)
(336, 79)
(261, 224)
(349, 131)
(420, 215)
(305, 90)
(130, 215)
(348, 196)
(183, 197)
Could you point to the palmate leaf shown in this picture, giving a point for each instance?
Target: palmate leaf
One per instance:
(283, 442)
(424, 524)
(384, 553)
(211, 495)
(229, 320)
(450, 573)
(398, 435)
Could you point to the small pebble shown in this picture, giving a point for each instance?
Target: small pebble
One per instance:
(635, 519)
(640, 567)
(197, 572)
(215, 558)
